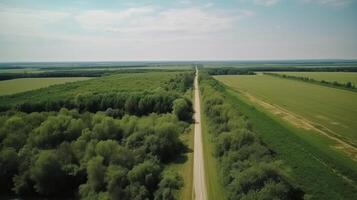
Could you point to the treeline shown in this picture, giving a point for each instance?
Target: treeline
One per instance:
(229, 71)
(74, 72)
(348, 85)
(91, 156)
(138, 103)
(89, 73)
(247, 167)
(304, 69)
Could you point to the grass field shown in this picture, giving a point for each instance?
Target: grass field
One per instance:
(340, 77)
(332, 110)
(25, 84)
(315, 168)
(185, 166)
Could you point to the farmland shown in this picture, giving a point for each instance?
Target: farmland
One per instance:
(25, 84)
(106, 132)
(332, 109)
(340, 77)
(281, 112)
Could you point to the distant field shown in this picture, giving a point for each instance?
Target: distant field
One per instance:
(329, 109)
(340, 77)
(25, 84)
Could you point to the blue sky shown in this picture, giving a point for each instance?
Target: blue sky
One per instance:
(85, 30)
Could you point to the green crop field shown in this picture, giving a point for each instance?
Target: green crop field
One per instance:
(313, 166)
(25, 84)
(340, 77)
(330, 109)
(316, 164)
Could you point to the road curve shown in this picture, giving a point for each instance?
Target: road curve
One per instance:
(199, 184)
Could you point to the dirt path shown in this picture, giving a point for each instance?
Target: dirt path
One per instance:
(199, 184)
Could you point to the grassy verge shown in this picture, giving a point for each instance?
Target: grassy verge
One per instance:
(214, 187)
(186, 168)
(312, 166)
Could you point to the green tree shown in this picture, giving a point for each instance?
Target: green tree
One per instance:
(182, 108)
(107, 129)
(9, 162)
(146, 174)
(47, 174)
(96, 173)
(117, 181)
(168, 186)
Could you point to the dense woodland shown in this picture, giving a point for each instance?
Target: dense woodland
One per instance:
(248, 168)
(94, 73)
(105, 145)
(229, 71)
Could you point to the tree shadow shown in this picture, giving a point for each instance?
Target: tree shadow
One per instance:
(182, 158)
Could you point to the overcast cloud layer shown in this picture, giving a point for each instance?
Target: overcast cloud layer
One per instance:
(80, 30)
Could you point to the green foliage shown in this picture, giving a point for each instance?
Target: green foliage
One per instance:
(82, 152)
(146, 173)
(55, 97)
(168, 186)
(47, 174)
(117, 180)
(182, 108)
(8, 167)
(229, 70)
(96, 171)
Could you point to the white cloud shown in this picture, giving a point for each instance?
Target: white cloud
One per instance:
(149, 19)
(266, 2)
(128, 23)
(329, 2)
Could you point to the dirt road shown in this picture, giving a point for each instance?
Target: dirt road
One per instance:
(199, 184)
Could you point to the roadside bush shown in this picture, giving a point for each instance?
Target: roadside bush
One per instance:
(182, 108)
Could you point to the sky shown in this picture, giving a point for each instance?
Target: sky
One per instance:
(135, 30)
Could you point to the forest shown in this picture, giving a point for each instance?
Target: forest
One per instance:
(105, 145)
(247, 167)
